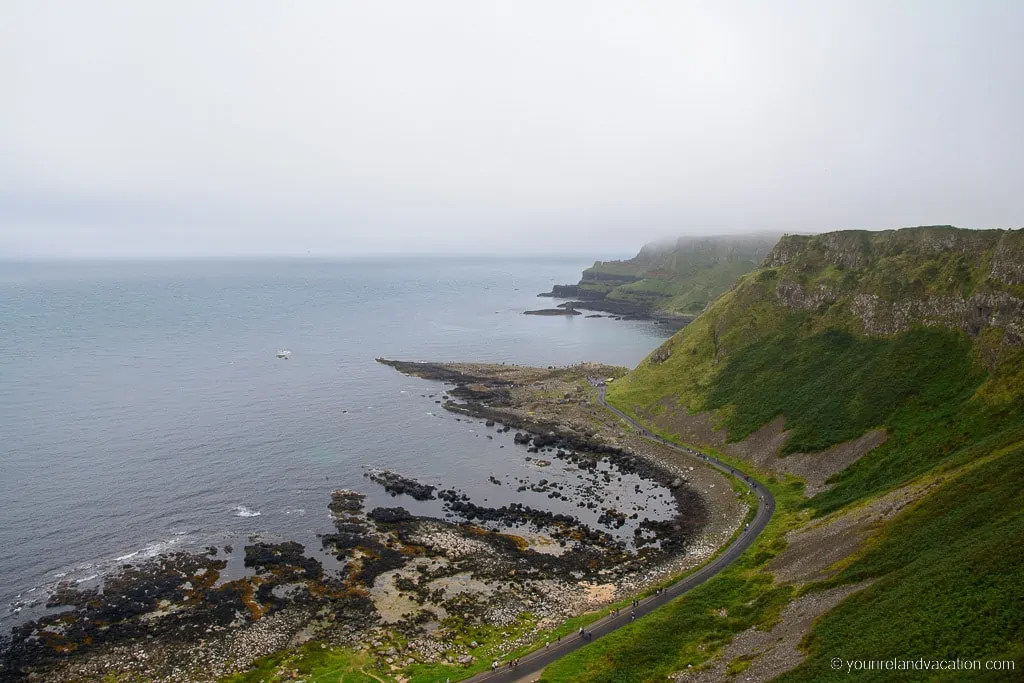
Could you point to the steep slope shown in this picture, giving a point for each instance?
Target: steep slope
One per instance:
(886, 369)
(844, 332)
(668, 279)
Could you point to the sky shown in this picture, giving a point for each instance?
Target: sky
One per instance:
(165, 129)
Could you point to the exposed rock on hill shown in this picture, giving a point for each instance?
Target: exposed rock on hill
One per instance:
(891, 280)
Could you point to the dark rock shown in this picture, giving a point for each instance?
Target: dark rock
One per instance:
(396, 484)
(562, 291)
(285, 557)
(344, 500)
(553, 311)
(390, 515)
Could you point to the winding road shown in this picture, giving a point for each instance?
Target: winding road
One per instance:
(533, 663)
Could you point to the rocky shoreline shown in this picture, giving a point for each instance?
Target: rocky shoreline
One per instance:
(617, 310)
(568, 310)
(405, 590)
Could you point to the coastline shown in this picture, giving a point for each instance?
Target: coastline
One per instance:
(400, 567)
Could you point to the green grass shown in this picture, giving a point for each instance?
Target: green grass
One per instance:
(950, 581)
(925, 387)
(834, 386)
(314, 663)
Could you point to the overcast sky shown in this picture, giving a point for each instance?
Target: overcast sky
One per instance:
(252, 127)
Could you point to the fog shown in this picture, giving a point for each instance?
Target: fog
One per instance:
(343, 128)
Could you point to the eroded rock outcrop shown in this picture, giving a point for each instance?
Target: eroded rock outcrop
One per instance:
(892, 280)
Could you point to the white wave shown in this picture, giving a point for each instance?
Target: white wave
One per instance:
(96, 570)
(294, 511)
(242, 511)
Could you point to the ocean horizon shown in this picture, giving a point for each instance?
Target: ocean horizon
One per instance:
(143, 408)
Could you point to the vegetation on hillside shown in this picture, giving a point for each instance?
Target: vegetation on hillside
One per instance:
(950, 579)
(948, 387)
(948, 583)
(680, 277)
(751, 358)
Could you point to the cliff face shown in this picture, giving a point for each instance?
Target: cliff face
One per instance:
(861, 249)
(890, 281)
(673, 279)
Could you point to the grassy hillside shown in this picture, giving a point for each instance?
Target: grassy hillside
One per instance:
(919, 332)
(949, 577)
(680, 277)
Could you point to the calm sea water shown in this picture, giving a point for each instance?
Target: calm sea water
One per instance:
(142, 408)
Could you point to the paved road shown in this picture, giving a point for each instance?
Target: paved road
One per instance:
(532, 664)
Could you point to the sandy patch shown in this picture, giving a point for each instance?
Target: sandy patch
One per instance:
(599, 594)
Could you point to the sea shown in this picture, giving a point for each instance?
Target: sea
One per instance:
(144, 410)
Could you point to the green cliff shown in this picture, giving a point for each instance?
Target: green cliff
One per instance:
(875, 380)
(669, 279)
